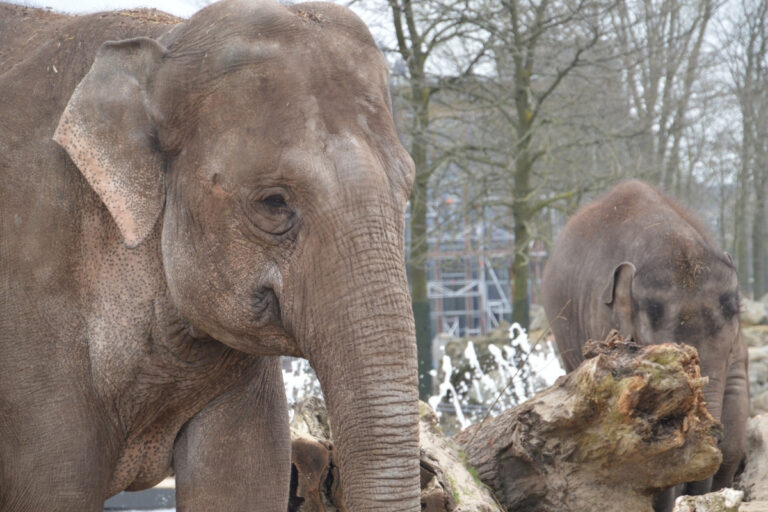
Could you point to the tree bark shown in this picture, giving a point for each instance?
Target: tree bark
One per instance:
(627, 423)
(759, 256)
(524, 120)
(417, 267)
(740, 241)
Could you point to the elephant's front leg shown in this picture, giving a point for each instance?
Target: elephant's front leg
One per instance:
(235, 454)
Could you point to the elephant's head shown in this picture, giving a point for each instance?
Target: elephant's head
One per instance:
(261, 137)
(689, 295)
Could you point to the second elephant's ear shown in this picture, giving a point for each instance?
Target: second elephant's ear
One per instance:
(108, 132)
(618, 295)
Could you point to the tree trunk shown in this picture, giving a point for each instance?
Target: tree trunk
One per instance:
(759, 256)
(624, 425)
(520, 266)
(522, 214)
(419, 248)
(740, 211)
(521, 206)
(409, 42)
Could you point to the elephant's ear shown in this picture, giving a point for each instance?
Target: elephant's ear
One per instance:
(108, 132)
(618, 294)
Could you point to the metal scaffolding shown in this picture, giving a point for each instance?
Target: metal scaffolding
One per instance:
(471, 305)
(468, 264)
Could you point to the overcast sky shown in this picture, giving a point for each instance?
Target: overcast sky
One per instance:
(378, 19)
(183, 8)
(374, 17)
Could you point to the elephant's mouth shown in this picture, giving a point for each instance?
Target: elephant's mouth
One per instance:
(265, 307)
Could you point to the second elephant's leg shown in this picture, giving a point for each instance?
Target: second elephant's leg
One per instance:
(235, 454)
(734, 417)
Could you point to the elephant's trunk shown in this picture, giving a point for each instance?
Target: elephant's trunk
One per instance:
(373, 414)
(359, 337)
(713, 392)
(713, 396)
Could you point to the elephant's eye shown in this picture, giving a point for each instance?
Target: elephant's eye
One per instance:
(655, 312)
(729, 305)
(271, 212)
(275, 201)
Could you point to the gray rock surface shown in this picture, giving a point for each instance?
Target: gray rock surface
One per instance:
(754, 312)
(755, 335)
(758, 379)
(754, 480)
(754, 506)
(724, 500)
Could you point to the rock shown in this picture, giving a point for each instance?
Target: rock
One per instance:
(754, 479)
(758, 354)
(754, 506)
(724, 500)
(753, 312)
(758, 403)
(755, 335)
(624, 425)
(758, 379)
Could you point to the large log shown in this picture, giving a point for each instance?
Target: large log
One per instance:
(627, 423)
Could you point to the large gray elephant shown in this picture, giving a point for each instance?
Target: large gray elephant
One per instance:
(220, 191)
(637, 262)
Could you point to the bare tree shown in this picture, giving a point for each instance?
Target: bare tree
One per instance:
(537, 46)
(749, 72)
(425, 31)
(661, 42)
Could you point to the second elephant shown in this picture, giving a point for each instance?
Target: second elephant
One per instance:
(637, 262)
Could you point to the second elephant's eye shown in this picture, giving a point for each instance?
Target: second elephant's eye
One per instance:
(655, 311)
(730, 304)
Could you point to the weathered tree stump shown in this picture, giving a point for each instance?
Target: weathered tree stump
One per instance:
(627, 423)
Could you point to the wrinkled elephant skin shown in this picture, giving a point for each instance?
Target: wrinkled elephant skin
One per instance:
(637, 262)
(181, 202)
